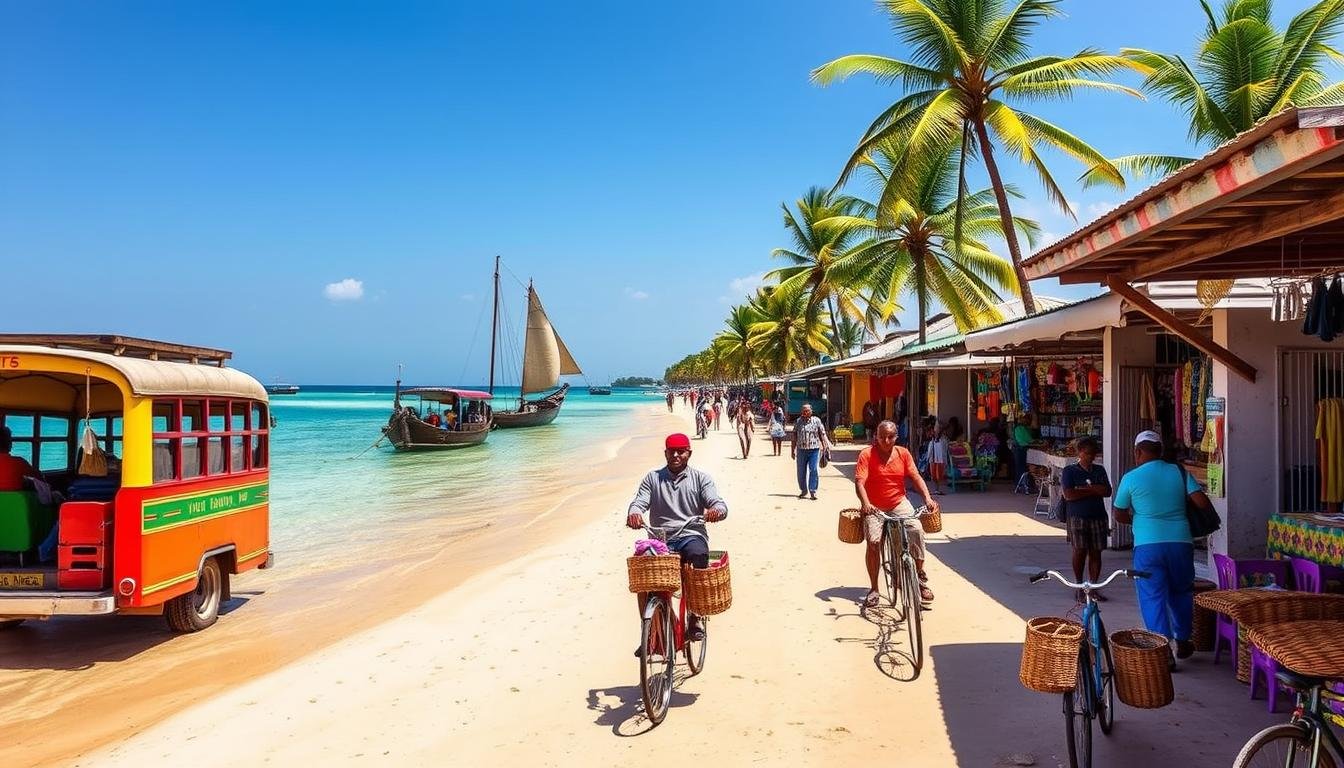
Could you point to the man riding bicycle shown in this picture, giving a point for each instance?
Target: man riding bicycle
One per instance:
(879, 480)
(672, 496)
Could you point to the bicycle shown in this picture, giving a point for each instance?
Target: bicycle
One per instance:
(1093, 696)
(662, 633)
(1297, 743)
(906, 601)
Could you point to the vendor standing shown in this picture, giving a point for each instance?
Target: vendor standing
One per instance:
(1084, 485)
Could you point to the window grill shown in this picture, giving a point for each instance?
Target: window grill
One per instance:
(1306, 377)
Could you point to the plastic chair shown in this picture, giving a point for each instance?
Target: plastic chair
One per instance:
(1263, 666)
(1306, 575)
(962, 467)
(1238, 574)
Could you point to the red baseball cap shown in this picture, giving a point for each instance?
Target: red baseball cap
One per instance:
(677, 440)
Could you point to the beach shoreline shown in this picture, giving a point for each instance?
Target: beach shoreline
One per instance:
(76, 688)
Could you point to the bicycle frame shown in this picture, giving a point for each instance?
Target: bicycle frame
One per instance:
(1095, 637)
(678, 617)
(1307, 713)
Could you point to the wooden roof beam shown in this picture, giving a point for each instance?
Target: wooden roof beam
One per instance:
(1180, 327)
(1265, 227)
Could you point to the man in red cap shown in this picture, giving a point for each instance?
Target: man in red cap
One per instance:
(674, 495)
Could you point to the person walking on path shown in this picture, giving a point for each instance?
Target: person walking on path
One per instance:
(880, 476)
(938, 458)
(1084, 485)
(809, 440)
(672, 496)
(670, 399)
(777, 430)
(746, 424)
(1152, 497)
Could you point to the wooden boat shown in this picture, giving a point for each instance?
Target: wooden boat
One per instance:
(545, 360)
(282, 389)
(599, 390)
(408, 430)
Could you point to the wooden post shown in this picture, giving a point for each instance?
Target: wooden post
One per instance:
(1180, 327)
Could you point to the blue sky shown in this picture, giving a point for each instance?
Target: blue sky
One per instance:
(322, 186)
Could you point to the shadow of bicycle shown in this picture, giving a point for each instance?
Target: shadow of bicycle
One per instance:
(891, 652)
(621, 708)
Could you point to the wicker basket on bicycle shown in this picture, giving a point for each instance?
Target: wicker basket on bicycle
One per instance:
(931, 520)
(1050, 654)
(1142, 674)
(709, 591)
(654, 573)
(851, 526)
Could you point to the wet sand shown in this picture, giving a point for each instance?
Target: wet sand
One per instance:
(69, 686)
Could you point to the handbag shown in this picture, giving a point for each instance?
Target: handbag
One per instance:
(825, 456)
(1202, 521)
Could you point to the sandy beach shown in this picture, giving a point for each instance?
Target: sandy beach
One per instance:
(529, 660)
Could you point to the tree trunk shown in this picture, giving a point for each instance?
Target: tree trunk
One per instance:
(921, 297)
(835, 330)
(1006, 218)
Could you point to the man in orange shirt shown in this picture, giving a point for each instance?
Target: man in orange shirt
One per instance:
(879, 479)
(12, 468)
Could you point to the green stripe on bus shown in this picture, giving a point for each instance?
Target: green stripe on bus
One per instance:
(159, 514)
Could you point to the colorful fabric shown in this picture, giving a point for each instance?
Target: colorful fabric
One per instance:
(1024, 388)
(1147, 405)
(1330, 448)
(1306, 536)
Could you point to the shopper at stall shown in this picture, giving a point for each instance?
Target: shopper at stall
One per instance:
(1022, 438)
(1152, 497)
(1084, 485)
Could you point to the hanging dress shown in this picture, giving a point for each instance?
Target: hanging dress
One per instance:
(1330, 448)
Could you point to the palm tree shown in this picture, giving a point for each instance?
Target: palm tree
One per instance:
(968, 57)
(929, 243)
(816, 252)
(1245, 70)
(734, 341)
(791, 330)
(852, 335)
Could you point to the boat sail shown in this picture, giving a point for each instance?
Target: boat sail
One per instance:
(545, 360)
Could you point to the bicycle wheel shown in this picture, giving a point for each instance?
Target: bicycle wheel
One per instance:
(658, 658)
(1078, 716)
(891, 566)
(1282, 746)
(695, 649)
(1105, 703)
(913, 621)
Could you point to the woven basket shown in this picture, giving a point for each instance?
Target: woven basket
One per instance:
(654, 573)
(709, 591)
(851, 526)
(1050, 654)
(931, 521)
(1142, 674)
(1205, 621)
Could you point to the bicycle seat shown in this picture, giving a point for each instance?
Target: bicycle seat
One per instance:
(1299, 682)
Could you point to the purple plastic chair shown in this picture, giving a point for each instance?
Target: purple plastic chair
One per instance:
(1264, 666)
(1306, 575)
(1239, 574)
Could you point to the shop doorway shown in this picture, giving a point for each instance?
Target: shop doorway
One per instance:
(1306, 377)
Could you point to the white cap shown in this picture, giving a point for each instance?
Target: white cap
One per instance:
(1147, 436)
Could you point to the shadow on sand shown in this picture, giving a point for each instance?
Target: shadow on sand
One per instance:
(891, 653)
(621, 707)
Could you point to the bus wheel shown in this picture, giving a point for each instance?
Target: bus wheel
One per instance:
(9, 624)
(199, 608)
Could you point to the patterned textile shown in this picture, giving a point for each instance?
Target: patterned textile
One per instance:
(1306, 536)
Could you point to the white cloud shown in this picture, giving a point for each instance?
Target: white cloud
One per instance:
(1100, 208)
(637, 295)
(348, 289)
(746, 286)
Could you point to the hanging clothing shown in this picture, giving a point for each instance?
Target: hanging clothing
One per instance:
(1332, 314)
(1147, 404)
(1024, 388)
(1330, 448)
(1200, 419)
(1311, 321)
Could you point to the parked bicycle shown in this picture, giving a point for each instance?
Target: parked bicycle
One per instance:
(1093, 696)
(1305, 741)
(662, 634)
(902, 580)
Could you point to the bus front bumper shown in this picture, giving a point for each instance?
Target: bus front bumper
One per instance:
(40, 605)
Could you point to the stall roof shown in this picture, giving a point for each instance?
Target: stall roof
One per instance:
(1268, 202)
(956, 361)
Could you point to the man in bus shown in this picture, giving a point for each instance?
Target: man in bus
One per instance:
(880, 476)
(13, 469)
(674, 495)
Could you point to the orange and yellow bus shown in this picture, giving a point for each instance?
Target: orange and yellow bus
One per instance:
(182, 505)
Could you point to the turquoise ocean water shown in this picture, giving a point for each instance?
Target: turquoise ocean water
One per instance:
(323, 499)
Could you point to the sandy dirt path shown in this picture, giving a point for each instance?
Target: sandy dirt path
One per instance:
(530, 662)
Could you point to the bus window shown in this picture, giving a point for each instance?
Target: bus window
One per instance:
(259, 427)
(165, 459)
(191, 457)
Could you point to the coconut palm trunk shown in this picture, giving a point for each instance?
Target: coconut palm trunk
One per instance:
(1006, 217)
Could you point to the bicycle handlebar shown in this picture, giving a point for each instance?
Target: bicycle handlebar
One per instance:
(1133, 574)
(697, 520)
(898, 518)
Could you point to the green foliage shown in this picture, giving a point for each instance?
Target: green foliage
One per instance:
(635, 381)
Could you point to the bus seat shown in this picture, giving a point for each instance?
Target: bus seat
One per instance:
(24, 523)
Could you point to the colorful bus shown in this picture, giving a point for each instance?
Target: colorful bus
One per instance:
(174, 501)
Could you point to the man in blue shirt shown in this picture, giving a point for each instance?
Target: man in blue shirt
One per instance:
(1084, 485)
(1152, 497)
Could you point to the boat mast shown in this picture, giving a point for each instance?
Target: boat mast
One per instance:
(494, 323)
(522, 376)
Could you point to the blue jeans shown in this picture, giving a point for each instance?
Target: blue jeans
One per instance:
(46, 551)
(1167, 596)
(809, 460)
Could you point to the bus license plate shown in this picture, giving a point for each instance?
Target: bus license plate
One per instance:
(21, 580)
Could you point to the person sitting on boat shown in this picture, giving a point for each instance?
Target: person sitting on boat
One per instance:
(13, 469)
(673, 495)
(450, 419)
(433, 419)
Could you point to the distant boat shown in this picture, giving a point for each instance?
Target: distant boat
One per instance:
(545, 360)
(408, 430)
(599, 390)
(282, 389)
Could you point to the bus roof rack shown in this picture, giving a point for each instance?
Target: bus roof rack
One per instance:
(124, 346)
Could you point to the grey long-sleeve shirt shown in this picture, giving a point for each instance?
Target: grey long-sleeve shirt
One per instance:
(670, 500)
